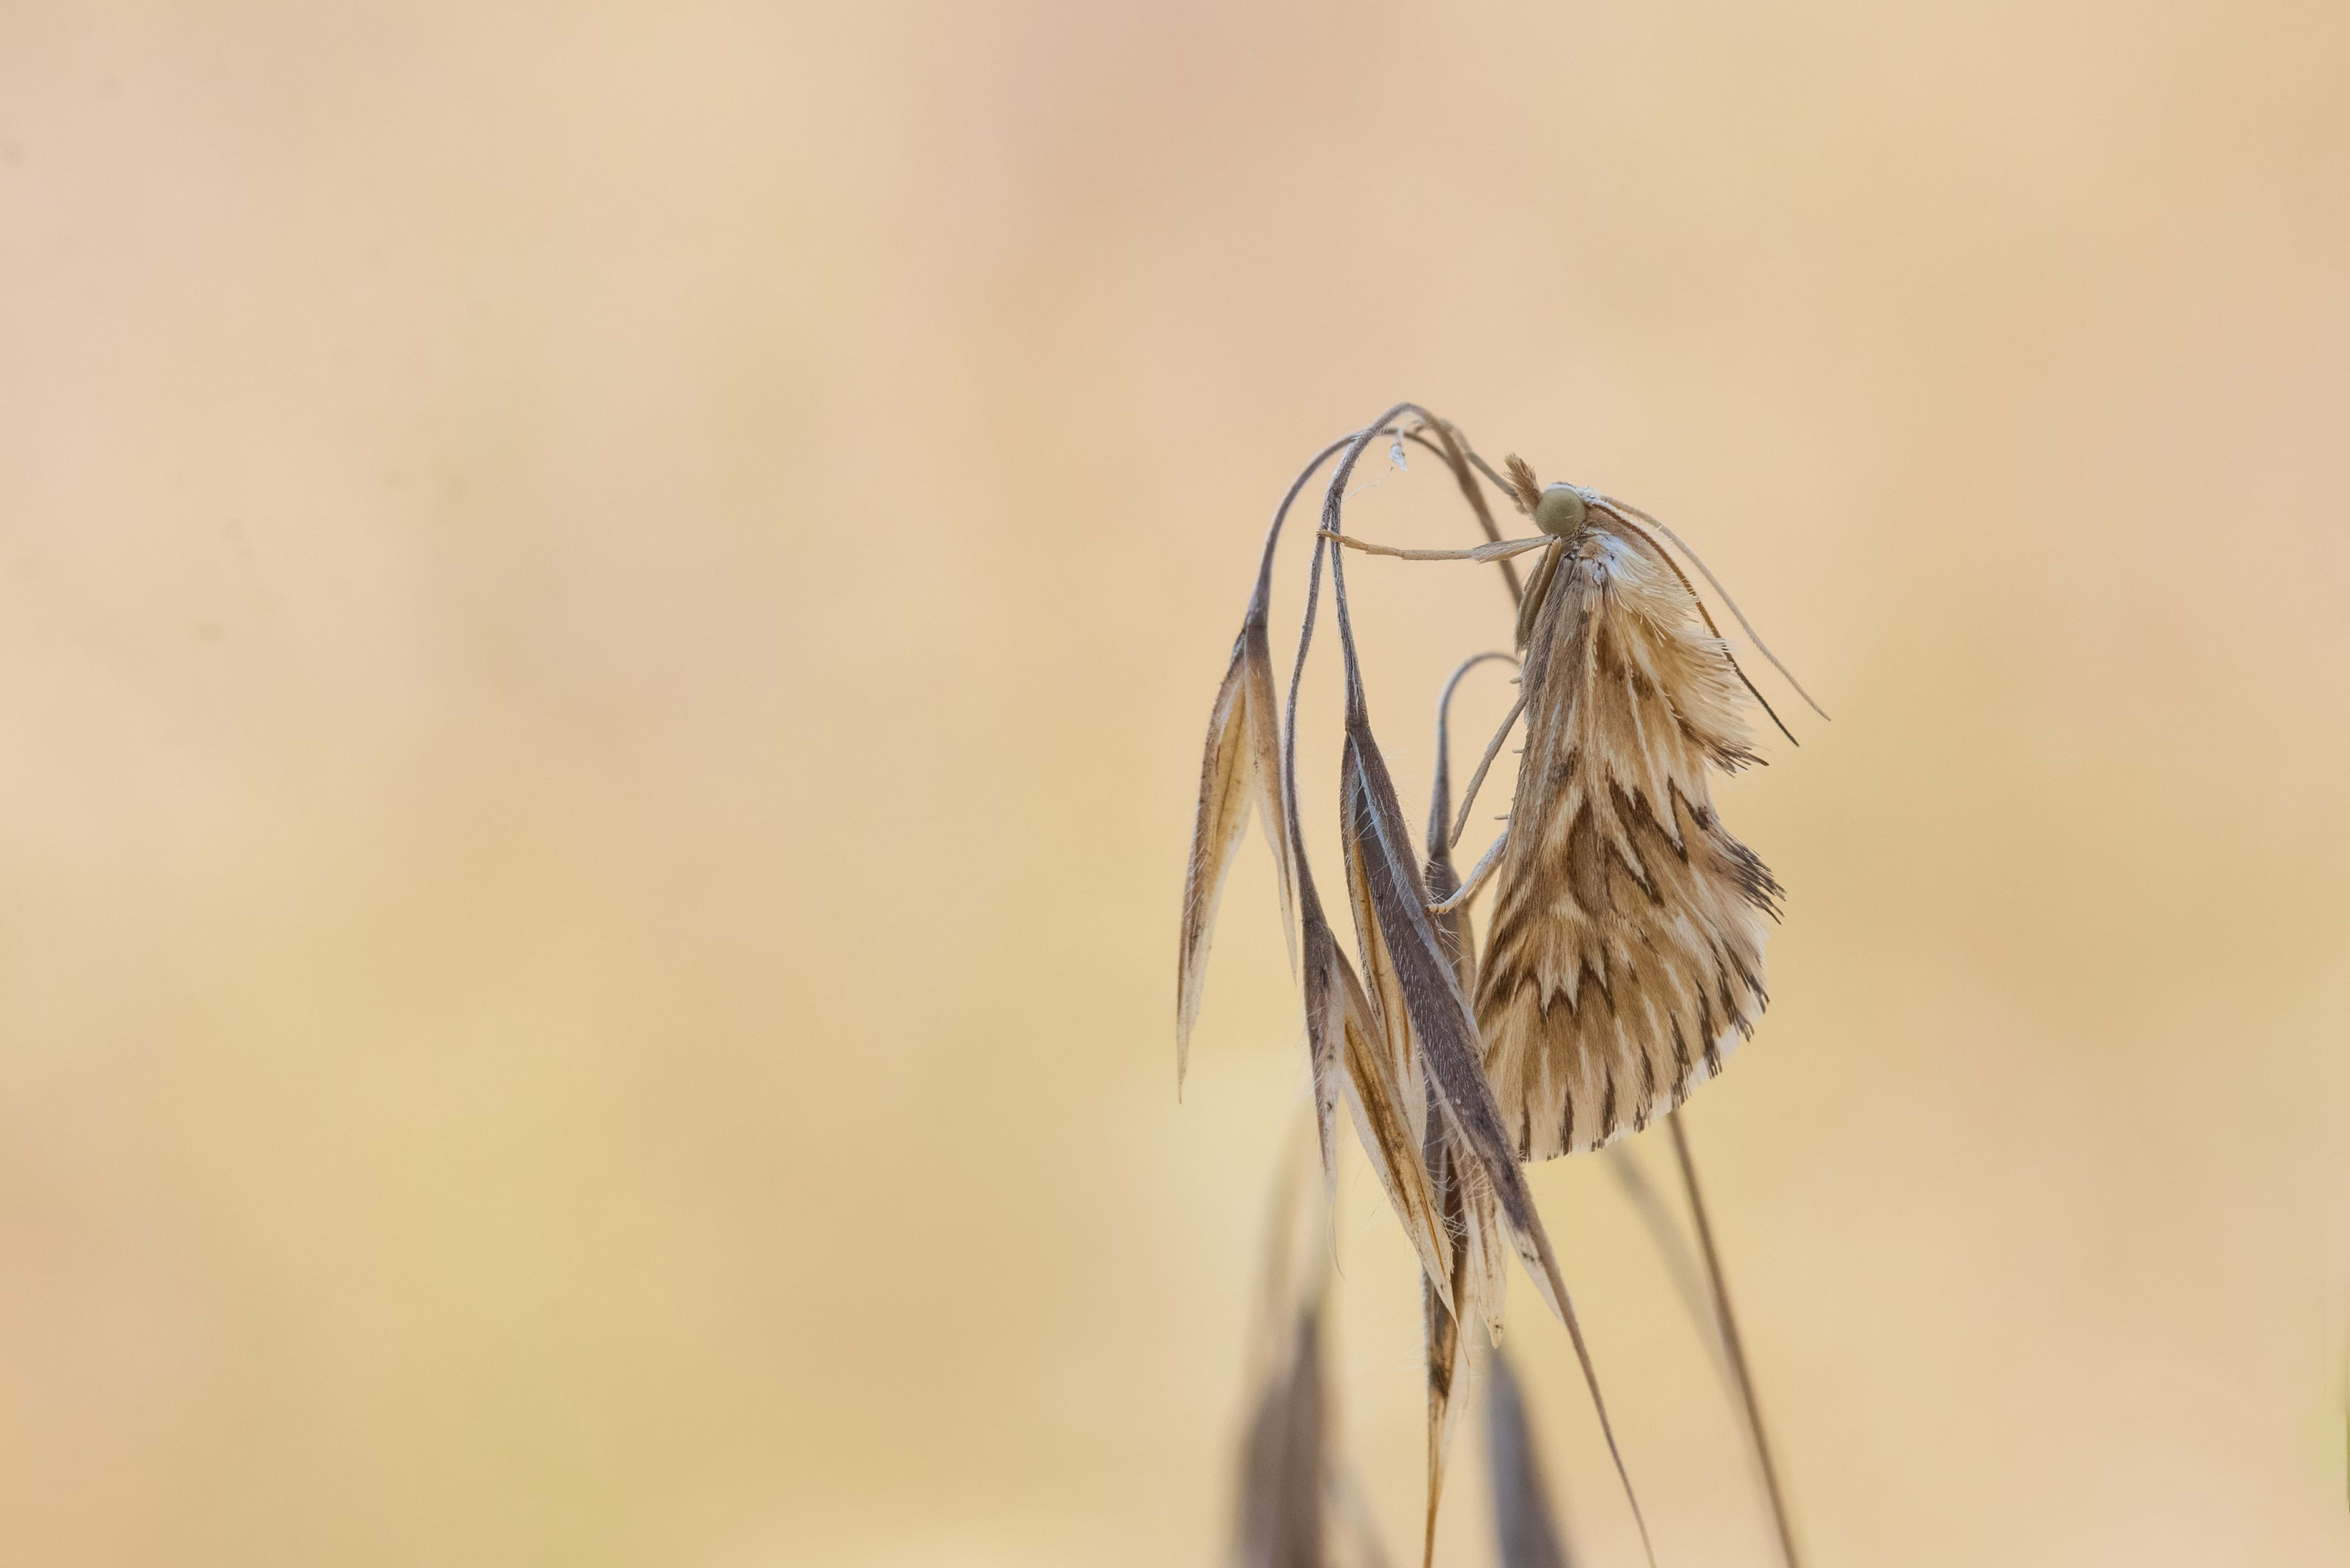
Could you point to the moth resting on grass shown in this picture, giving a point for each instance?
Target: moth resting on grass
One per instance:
(1624, 958)
(1624, 955)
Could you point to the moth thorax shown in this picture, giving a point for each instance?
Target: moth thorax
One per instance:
(1561, 511)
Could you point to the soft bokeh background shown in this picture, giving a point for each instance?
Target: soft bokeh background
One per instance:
(605, 618)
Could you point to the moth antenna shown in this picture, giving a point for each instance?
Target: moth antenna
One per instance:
(1765, 701)
(1621, 507)
(1703, 614)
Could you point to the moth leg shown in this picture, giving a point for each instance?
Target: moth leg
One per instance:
(1501, 551)
(1460, 823)
(1484, 869)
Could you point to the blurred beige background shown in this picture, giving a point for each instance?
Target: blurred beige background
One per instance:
(605, 618)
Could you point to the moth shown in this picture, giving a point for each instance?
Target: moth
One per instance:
(1623, 959)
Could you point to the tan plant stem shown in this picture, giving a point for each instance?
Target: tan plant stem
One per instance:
(1733, 1345)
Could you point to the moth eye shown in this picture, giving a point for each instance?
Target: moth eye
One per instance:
(1561, 510)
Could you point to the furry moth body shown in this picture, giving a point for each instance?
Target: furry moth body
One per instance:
(1624, 958)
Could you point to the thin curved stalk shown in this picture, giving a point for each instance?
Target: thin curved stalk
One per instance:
(1492, 749)
(1454, 450)
(1440, 1014)
(1734, 1345)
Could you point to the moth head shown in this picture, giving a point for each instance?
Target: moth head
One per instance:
(1561, 511)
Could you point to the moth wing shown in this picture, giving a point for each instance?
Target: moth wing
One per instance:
(1625, 957)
